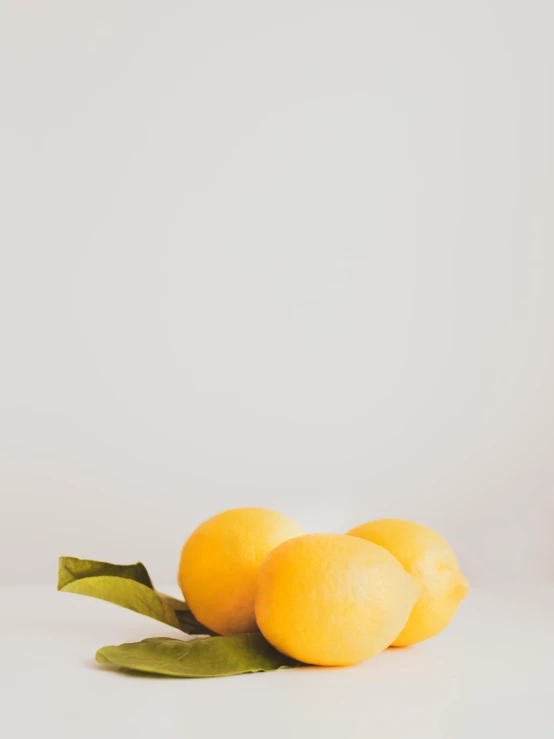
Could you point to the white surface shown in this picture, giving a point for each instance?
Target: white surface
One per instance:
(295, 254)
(489, 675)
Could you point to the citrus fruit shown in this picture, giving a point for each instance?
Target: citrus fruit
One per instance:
(330, 599)
(219, 564)
(425, 555)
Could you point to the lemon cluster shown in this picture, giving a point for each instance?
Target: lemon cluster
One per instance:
(323, 599)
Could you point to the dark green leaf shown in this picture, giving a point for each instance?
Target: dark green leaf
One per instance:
(129, 586)
(215, 657)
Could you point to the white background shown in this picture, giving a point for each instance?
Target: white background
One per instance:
(290, 254)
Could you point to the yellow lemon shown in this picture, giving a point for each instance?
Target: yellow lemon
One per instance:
(426, 556)
(330, 599)
(220, 561)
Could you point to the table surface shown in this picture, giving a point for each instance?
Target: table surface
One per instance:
(488, 675)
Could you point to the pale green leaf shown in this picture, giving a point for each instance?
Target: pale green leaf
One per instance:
(218, 656)
(128, 586)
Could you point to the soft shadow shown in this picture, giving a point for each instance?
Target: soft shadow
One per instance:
(400, 647)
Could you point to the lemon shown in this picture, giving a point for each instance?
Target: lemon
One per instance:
(425, 555)
(330, 599)
(220, 561)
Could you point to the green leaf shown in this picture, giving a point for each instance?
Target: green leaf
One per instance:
(128, 586)
(216, 657)
(72, 569)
